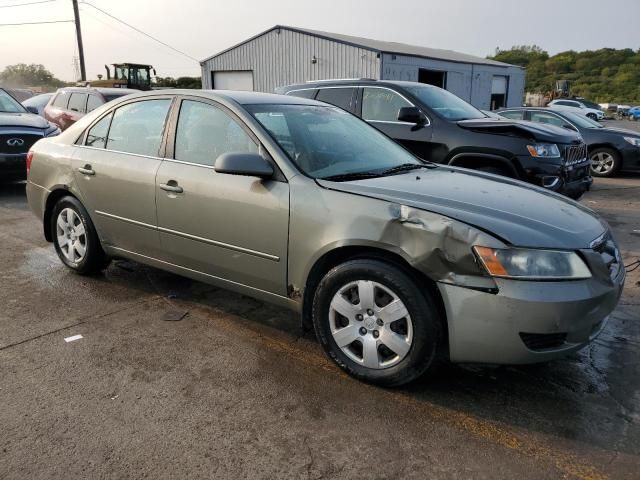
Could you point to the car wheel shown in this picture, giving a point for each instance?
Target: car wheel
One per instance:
(75, 238)
(592, 116)
(604, 162)
(375, 322)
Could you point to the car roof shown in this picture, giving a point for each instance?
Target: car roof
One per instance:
(102, 90)
(241, 97)
(357, 82)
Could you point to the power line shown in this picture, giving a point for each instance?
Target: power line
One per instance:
(140, 31)
(34, 23)
(26, 4)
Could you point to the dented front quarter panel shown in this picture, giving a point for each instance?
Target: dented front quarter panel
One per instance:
(323, 220)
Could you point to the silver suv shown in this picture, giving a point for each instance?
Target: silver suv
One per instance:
(398, 263)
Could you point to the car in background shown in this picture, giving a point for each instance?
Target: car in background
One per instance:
(70, 104)
(440, 127)
(611, 150)
(578, 107)
(36, 104)
(19, 130)
(399, 264)
(634, 113)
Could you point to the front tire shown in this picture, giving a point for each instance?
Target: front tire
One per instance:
(376, 324)
(75, 238)
(592, 116)
(605, 162)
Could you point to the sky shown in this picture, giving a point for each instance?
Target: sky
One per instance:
(200, 28)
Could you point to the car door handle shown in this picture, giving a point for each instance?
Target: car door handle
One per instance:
(171, 187)
(86, 170)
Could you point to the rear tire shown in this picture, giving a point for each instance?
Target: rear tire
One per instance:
(385, 347)
(605, 162)
(75, 238)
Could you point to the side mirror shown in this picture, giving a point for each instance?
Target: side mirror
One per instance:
(32, 110)
(247, 164)
(411, 115)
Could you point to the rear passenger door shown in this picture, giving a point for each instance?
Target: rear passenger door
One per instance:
(343, 97)
(115, 170)
(228, 226)
(380, 108)
(77, 107)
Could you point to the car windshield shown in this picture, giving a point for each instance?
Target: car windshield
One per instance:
(445, 103)
(9, 104)
(581, 120)
(329, 143)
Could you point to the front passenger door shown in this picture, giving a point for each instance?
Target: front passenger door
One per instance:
(227, 226)
(380, 108)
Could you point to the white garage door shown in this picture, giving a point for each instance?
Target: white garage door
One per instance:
(499, 85)
(238, 80)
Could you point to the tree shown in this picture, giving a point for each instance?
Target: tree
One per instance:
(34, 75)
(180, 82)
(604, 75)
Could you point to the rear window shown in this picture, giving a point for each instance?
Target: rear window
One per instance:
(340, 97)
(61, 100)
(93, 103)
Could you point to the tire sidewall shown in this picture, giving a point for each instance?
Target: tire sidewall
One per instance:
(93, 253)
(425, 317)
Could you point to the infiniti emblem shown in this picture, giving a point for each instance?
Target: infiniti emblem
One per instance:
(15, 142)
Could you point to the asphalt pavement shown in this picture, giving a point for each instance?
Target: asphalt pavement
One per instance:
(176, 379)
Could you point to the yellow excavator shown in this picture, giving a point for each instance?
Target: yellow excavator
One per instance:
(125, 75)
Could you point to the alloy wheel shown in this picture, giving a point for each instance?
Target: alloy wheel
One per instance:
(602, 163)
(370, 324)
(71, 235)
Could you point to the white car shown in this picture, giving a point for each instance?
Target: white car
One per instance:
(578, 107)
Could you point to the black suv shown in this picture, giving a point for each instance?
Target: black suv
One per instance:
(438, 126)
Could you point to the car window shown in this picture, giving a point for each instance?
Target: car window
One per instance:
(303, 93)
(381, 104)
(61, 100)
(512, 114)
(9, 104)
(93, 103)
(325, 141)
(78, 102)
(137, 127)
(97, 135)
(340, 97)
(547, 118)
(205, 132)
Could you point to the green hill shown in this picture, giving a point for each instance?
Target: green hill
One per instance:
(605, 75)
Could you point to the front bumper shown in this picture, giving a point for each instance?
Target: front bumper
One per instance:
(13, 166)
(487, 328)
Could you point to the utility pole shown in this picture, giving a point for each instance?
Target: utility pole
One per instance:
(83, 72)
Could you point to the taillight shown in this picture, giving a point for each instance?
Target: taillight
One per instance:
(29, 159)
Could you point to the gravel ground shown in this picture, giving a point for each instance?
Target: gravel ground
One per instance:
(233, 390)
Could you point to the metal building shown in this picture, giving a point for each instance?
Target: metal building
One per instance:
(285, 55)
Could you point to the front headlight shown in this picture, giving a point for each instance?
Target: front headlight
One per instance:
(633, 141)
(532, 264)
(544, 150)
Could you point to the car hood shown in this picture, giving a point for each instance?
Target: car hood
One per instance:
(27, 120)
(518, 214)
(617, 131)
(536, 131)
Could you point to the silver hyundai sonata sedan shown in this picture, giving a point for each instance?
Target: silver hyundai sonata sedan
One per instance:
(397, 263)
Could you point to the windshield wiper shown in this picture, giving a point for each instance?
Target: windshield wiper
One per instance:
(405, 167)
(345, 177)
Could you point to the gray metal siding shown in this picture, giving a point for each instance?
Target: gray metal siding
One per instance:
(471, 82)
(279, 59)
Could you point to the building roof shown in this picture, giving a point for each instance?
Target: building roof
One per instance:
(381, 47)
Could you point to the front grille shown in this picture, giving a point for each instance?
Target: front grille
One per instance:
(543, 341)
(14, 143)
(574, 153)
(608, 251)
